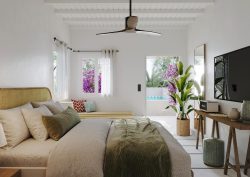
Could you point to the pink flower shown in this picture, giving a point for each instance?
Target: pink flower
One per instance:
(171, 101)
(171, 87)
(172, 72)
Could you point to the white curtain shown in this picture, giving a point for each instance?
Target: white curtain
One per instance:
(106, 66)
(62, 76)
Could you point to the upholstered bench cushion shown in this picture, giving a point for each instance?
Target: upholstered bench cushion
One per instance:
(118, 115)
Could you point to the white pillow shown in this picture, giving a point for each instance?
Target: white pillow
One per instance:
(14, 126)
(3, 141)
(54, 107)
(33, 119)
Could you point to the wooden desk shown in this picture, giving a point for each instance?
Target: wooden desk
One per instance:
(10, 172)
(222, 118)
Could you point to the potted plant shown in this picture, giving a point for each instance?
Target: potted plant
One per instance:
(180, 87)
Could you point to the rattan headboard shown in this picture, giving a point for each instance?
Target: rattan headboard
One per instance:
(13, 97)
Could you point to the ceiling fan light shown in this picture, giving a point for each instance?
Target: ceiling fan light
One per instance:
(130, 25)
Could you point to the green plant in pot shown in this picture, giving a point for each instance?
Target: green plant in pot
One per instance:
(180, 87)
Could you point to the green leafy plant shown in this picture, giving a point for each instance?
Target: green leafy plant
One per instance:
(180, 88)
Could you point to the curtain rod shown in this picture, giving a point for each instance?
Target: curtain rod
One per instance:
(61, 42)
(87, 51)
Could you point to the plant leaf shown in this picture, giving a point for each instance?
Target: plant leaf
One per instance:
(184, 80)
(190, 110)
(186, 95)
(173, 107)
(189, 84)
(188, 69)
(180, 67)
(178, 85)
(190, 106)
(178, 99)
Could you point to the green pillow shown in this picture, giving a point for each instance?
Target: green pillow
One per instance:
(59, 124)
(89, 106)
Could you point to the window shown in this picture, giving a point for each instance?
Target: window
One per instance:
(55, 69)
(156, 67)
(91, 76)
(97, 72)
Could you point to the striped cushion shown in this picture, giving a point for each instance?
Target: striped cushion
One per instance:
(79, 105)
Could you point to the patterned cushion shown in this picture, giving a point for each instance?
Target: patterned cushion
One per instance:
(79, 105)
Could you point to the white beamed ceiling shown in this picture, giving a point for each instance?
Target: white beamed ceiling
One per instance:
(154, 14)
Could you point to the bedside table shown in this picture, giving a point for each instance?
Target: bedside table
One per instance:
(10, 173)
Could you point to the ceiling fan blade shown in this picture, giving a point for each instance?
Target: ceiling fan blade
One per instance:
(120, 31)
(147, 32)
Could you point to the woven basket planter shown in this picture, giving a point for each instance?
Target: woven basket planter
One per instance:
(183, 127)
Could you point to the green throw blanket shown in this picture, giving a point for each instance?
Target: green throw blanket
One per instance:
(135, 148)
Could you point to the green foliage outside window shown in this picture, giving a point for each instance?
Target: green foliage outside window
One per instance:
(157, 77)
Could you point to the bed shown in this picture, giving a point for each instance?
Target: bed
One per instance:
(89, 137)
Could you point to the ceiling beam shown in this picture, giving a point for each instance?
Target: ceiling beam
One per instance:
(123, 15)
(121, 24)
(125, 6)
(136, 11)
(125, 1)
(119, 19)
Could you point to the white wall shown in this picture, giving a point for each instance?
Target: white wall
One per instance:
(27, 29)
(130, 64)
(225, 27)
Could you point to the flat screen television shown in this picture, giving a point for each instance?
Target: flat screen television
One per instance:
(232, 75)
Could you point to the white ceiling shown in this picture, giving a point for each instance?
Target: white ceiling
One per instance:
(154, 14)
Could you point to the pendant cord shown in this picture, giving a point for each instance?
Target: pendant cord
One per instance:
(130, 7)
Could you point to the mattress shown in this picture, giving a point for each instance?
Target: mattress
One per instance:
(29, 153)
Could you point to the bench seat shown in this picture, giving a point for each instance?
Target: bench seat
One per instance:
(113, 115)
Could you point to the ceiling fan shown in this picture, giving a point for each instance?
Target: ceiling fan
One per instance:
(130, 25)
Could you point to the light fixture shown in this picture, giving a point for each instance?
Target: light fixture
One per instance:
(131, 24)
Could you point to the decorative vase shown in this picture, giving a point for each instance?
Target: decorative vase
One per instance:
(245, 111)
(183, 127)
(234, 114)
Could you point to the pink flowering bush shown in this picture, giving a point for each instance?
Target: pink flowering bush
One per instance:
(89, 81)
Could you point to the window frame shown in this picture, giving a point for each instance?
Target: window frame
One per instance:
(55, 57)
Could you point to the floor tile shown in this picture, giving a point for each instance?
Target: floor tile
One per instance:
(193, 150)
(189, 144)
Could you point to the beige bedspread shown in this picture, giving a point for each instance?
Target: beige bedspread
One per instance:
(80, 153)
(30, 153)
